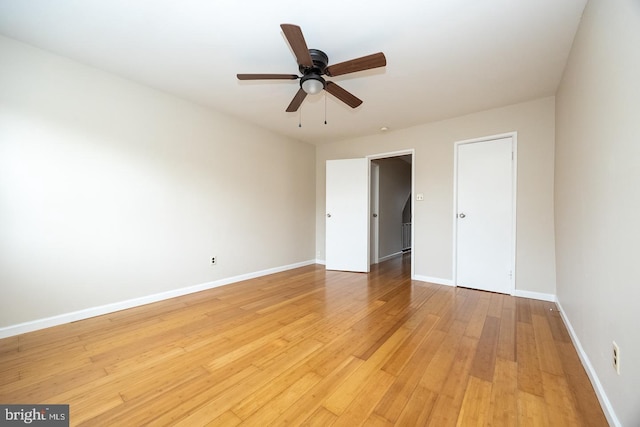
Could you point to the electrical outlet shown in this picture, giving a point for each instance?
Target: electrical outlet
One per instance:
(616, 357)
(214, 260)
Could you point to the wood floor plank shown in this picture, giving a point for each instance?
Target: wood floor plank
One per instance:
(476, 322)
(40, 388)
(313, 399)
(587, 405)
(262, 380)
(547, 351)
(532, 410)
(458, 376)
(227, 419)
(9, 345)
(464, 311)
(418, 409)
(442, 300)
(31, 370)
(375, 420)
(311, 347)
(445, 411)
(190, 397)
(362, 406)
(529, 374)
(496, 304)
(255, 345)
(476, 404)
(507, 336)
(266, 395)
(523, 310)
(377, 335)
(83, 408)
(338, 401)
(561, 407)
(392, 404)
(504, 393)
(221, 402)
(538, 308)
(139, 406)
(557, 326)
(401, 357)
(273, 408)
(436, 372)
(321, 417)
(36, 358)
(485, 359)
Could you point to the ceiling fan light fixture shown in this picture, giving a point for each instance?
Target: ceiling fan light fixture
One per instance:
(312, 84)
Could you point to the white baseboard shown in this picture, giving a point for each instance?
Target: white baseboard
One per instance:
(388, 257)
(591, 372)
(320, 261)
(535, 295)
(518, 293)
(436, 280)
(74, 316)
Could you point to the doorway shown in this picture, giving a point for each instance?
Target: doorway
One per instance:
(348, 195)
(390, 207)
(407, 156)
(485, 196)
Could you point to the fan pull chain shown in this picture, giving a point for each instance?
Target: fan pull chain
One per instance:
(300, 117)
(325, 108)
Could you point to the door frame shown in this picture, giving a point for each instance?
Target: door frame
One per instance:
(412, 152)
(374, 229)
(514, 177)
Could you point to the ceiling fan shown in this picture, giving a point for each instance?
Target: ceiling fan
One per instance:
(313, 64)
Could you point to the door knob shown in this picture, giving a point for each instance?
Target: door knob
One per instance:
(375, 215)
(328, 215)
(461, 215)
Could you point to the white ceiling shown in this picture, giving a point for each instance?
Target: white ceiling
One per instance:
(445, 58)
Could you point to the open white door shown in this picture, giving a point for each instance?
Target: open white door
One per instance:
(485, 215)
(347, 215)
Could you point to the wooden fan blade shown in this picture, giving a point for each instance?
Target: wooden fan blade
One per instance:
(359, 64)
(267, 76)
(297, 101)
(294, 36)
(344, 96)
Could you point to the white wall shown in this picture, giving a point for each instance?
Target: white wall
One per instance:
(110, 190)
(433, 163)
(598, 196)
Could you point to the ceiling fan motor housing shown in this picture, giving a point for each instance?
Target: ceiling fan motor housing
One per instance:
(320, 62)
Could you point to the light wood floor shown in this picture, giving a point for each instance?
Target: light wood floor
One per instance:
(311, 347)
